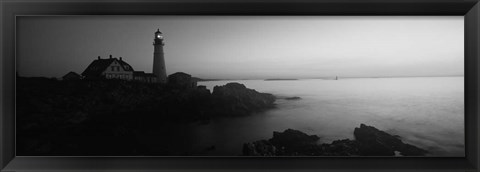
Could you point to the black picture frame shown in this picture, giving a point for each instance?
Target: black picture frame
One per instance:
(470, 9)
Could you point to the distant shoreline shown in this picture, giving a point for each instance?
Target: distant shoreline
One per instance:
(277, 79)
(329, 78)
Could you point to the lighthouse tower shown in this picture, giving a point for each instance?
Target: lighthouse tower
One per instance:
(158, 59)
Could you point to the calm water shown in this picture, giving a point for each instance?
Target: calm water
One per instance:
(427, 112)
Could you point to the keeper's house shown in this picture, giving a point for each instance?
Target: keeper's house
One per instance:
(113, 68)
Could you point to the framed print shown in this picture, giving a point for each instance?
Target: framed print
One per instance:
(184, 85)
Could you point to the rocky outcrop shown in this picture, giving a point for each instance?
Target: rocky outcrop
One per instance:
(375, 142)
(369, 141)
(292, 141)
(237, 100)
(289, 142)
(345, 147)
(259, 148)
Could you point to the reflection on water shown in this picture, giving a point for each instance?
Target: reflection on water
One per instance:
(427, 112)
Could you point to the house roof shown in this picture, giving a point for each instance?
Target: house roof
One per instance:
(125, 65)
(99, 65)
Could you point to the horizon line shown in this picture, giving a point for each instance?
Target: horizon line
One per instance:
(328, 77)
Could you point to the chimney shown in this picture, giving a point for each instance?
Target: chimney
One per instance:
(110, 56)
(120, 58)
(98, 57)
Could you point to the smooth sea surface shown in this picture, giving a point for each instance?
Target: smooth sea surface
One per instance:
(427, 112)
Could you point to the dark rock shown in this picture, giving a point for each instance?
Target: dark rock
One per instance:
(293, 140)
(236, 100)
(259, 148)
(374, 142)
(369, 141)
(345, 147)
(287, 143)
(293, 98)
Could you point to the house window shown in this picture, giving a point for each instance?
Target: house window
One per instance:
(113, 67)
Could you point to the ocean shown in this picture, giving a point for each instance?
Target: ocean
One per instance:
(427, 112)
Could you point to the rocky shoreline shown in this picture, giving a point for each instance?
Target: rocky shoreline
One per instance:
(115, 117)
(369, 141)
(106, 117)
(235, 99)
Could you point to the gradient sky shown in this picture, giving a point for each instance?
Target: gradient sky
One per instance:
(247, 47)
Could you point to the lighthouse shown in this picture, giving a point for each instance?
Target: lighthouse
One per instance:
(158, 58)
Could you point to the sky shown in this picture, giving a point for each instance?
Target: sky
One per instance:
(247, 47)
